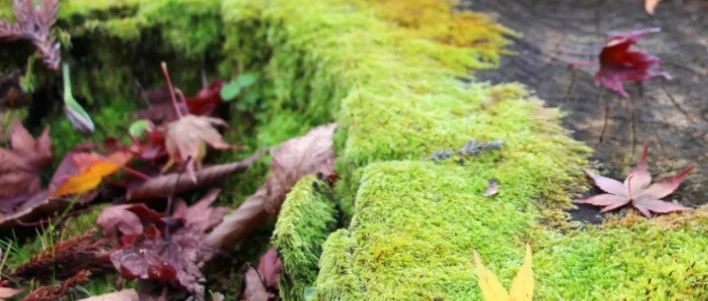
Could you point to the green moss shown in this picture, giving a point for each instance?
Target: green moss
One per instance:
(304, 221)
(636, 260)
(392, 83)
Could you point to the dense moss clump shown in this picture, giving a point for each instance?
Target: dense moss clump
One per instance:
(627, 259)
(397, 94)
(306, 218)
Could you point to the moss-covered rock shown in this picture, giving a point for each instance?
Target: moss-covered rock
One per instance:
(394, 75)
(308, 215)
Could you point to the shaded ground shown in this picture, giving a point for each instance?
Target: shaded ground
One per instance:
(673, 115)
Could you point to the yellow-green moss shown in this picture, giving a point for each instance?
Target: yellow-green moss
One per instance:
(628, 259)
(393, 84)
(304, 221)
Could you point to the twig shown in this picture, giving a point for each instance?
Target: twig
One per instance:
(172, 90)
(676, 104)
(606, 105)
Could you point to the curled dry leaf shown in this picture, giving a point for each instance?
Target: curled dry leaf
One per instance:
(123, 219)
(254, 289)
(21, 166)
(292, 160)
(186, 141)
(618, 64)
(637, 190)
(166, 185)
(33, 24)
(269, 268)
(521, 287)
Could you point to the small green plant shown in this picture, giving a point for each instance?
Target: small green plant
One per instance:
(239, 89)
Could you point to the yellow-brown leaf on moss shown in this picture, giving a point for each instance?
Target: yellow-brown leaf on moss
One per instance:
(521, 287)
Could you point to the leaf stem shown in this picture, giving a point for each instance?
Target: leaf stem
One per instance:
(67, 83)
(629, 186)
(171, 89)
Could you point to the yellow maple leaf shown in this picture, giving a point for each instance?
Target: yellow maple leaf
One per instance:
(521, 287)
(93, 169)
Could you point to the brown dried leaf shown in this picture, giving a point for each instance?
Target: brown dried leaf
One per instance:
(186, 140)
(270, 267)
(201, 217)
(166, 185)
(120, 218)
(254, 289)
(294, 159)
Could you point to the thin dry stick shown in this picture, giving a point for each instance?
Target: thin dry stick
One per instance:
(171, 89)
(569, 91)
(676, 104)
(606, 105)
(633, 113)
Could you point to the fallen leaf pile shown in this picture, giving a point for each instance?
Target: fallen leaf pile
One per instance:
(637, 190)
(521, 287)
(618, 64)
(167, 250)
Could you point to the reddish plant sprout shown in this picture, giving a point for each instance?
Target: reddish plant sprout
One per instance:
(618, 64)
(637, 190)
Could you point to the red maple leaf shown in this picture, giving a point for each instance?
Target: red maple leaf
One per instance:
(637, 191)
(206, 101)
(618, 64)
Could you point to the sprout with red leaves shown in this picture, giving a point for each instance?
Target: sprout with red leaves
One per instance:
(637, 191)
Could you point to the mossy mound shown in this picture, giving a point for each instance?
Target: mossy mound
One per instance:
(399, 88)
(306, 218)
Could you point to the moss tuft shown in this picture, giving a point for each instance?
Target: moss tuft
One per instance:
(307, 217)
(627, 259)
